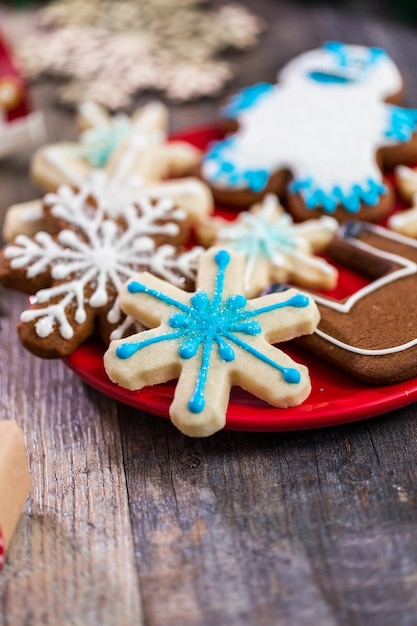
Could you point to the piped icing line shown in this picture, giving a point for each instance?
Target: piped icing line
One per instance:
(208, 321)
(365, 351)
(408, 269)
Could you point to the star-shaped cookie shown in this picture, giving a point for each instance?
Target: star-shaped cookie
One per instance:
(132, 154)
(275, 248)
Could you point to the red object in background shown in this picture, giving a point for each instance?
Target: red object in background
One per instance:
(1, 550)
(9, 74)
(19, 126)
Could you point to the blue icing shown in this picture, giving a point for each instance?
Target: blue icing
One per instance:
(401, 123)
(100, 142)
(245, 98)
(351, 200)
(349, 66)
(212, 322)
(226, 170)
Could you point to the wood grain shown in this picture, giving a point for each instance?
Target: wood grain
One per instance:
(131, 523)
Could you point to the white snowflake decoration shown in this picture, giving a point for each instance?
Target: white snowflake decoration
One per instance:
(89, 260)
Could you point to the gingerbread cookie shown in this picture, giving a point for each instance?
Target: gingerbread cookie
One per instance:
(132, 154)
(321, 135)
(275, 249)
(77, 272)
(372, 334)
(211, 340)
(405, 222)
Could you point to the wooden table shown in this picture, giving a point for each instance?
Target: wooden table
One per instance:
(129, 522)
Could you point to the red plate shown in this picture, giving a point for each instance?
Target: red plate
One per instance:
(336, 397)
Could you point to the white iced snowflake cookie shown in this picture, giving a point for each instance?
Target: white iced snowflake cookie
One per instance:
(76, 274)
(211, 340)
(131, 156)
(321, 135)
(276, 250)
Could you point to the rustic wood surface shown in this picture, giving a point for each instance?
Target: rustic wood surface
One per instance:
(129, 522)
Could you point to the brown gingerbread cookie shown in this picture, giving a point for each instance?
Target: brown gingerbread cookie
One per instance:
(321, 136)
(76, 272)
(372, 334)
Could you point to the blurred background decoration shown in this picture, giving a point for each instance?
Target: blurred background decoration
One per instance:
(110, 51)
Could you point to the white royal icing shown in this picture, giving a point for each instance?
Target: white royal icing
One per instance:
(98, 252)
(112, 198)
(329, 134)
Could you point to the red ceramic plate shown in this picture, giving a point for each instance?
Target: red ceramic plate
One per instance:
(336, 397)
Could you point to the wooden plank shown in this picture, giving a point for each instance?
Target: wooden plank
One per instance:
(72, 558)
(282, 529)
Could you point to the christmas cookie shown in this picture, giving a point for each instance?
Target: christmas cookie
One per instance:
(211, 340)
(372, 333)
(405, 222)
(77, 269)
(106, 140)
(275, 249)
(132, 155)
(321, 135)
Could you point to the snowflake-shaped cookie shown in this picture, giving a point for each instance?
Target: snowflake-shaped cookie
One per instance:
(328, 124)
(405, 222)
(211, 340)
(77, 273)
(275, 249)
(129, 156)
(111, 51)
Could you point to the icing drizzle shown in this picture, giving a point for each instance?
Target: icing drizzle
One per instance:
(211, 322)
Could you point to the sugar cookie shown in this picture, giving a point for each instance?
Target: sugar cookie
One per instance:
(211, 340)
(275, 249)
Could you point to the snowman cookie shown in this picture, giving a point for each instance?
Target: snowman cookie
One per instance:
(322, 135)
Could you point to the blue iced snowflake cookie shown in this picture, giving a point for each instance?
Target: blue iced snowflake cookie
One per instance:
(211, 340)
